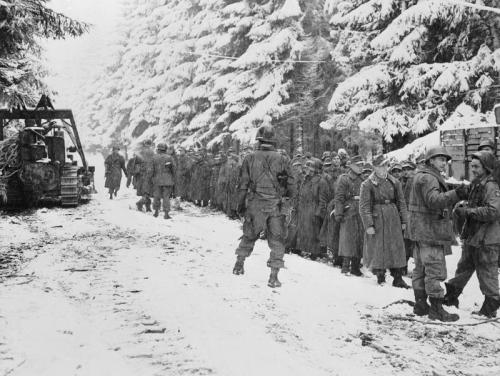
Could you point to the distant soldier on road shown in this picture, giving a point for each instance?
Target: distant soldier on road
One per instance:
(430, 227)
(163, 179)
(480, 237)
(265, 186)
(114, 165)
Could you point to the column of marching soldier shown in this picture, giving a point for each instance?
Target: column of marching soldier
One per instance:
(340, 210)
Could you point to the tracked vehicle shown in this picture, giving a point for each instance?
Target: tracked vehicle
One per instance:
(36, 167)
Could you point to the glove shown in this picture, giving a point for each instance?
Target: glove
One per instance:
(370, 230)
(461, 212)
(462, 192)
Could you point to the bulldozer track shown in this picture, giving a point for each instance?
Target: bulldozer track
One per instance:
(69, 187)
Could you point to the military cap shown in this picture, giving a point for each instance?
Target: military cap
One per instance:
(333, 154)
(408, 165)
(396, 166)
(308, 155)
(342, 152)
(356, 160)
(486, 158)
(315, 163)
(326, 154)
(327, 162)
(367, 167)
(297, 162)
(379, 160)
(487, 143)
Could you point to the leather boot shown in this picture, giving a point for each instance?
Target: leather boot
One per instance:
(380, 276)
(489, 308)
(398, 280)
(437, 312)
(452, 294)
(156, 213)
(239, 265)
(346, 261)
(138, 204)
(421, 307)
(111, 196)
(273, 278)
(167, 216)
(148, 207)
(337, 261)
(355, 267)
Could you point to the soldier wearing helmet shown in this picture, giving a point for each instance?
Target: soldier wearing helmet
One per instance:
(480, 237)
(431, 230)
(489, 145)
(266, 183)
(114, 165)
(163, 177)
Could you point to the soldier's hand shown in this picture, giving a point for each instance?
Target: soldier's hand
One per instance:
(462, 191)
(370, 230)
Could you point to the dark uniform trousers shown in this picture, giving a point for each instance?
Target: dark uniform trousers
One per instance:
(162, 192)
(484, 262)
(261, 216)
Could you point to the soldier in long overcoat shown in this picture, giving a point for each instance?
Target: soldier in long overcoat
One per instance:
(298, 177)
(347, 214)
(480, 237)
(383, 211)
(406, 182)
(310, 216)
(144, 187)
(326, 196)
(430, 227)
(114, 165)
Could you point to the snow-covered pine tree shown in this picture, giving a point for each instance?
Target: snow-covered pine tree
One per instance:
(426, 58)
(202, 71)
(22, 24)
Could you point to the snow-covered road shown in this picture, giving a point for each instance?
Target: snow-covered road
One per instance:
(106, 290)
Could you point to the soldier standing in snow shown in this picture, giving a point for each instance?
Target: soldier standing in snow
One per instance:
(430, 227)
(144, 186)
(383, 211)
(114, 165)
(162, 177)
(347, 214)
(265, 186)
(481, 237)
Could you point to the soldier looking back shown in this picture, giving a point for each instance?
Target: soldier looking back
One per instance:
(266, 183)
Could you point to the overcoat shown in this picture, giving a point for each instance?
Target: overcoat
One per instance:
(382, 206)
(114, 165)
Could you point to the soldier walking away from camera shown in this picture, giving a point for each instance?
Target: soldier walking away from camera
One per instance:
(144, 186)
(430, 227)
(114, 165)
(347, 214)
(383, 211)
(480, 237)
(163, 180)
(265, 186)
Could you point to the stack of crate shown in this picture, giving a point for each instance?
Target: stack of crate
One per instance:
(462, 143)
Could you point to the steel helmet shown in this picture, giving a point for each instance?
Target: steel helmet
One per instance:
(436, 151)
(162, 147)
(487, 143)
(486, 158)
(266, 134)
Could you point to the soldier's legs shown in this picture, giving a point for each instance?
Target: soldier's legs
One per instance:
(486, 260)
(252, 226)
(433, 267)
(147, 201)
(417, 279)
(465, 268)
(166, 191)
(157, 198)
(275, 240)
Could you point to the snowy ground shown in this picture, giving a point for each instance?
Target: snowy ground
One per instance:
(106, 290)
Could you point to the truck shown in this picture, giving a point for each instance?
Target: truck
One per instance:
(40, 168)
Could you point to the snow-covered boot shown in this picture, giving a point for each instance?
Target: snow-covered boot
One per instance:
(452, 294)
(167, 216)
(148, 207)
(489, 308)
(437, 312)
(273, 278)
(346, 261)
(421, 307)
(156, 213)
(398, 280)
(337, 261)
(239, 265)
(355, 267)
(111, 196)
